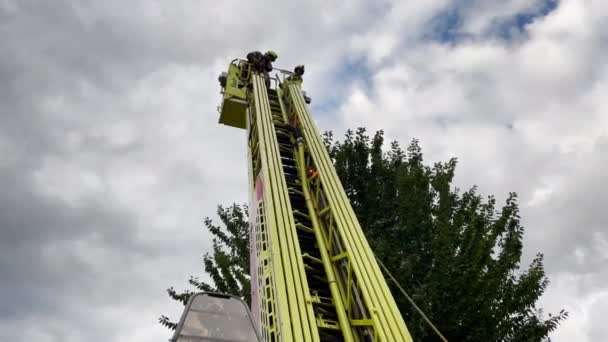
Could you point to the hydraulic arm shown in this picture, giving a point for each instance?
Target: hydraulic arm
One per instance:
(313, 274)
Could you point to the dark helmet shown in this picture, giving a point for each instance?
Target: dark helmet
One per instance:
(299, 70)
(273, 55)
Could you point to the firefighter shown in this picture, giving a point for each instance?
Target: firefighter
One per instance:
(262, 63)
(298, 72)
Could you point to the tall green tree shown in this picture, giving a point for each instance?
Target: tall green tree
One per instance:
(456, 253)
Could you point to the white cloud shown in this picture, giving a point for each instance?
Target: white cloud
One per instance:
(524, 115)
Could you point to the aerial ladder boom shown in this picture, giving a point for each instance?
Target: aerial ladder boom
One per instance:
(314, 276)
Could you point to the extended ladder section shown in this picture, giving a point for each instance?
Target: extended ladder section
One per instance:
(314, 276)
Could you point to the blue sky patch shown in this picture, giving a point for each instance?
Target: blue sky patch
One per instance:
(446, 27)
(506, 29)
(351, 71)
(354, 70)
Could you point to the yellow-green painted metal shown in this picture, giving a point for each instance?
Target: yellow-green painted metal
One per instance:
(294, 310)
(377, 301)
(314, 276)
(234, 104)
(325, 258)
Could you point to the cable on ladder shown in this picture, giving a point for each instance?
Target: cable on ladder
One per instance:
(409, 299)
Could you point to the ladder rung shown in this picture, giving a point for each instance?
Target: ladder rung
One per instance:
(327, 324)
(301, 214)
(321, 300)
(310, 257)
(304, 228)
(324, 211)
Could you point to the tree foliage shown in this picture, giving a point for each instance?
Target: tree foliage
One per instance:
(228, 265)
(457, 254)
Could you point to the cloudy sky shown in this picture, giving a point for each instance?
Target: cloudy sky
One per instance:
(111, 155)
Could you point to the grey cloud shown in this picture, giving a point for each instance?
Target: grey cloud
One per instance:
(110, 153)
(40, 269)
(575, 213)
(458, 100)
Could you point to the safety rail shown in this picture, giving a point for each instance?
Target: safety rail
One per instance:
(280, 78)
